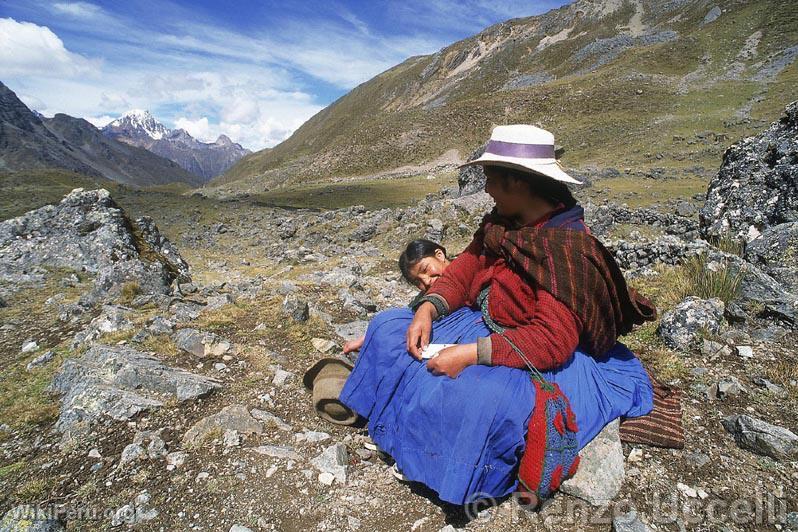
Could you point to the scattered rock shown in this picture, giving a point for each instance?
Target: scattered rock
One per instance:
(40, 360)
(239, 528)
(714, 349)
(136, 512)
(744, 351)
(234, 417)
(712, 15)
(322, 346)
(281, 376)
(278, 451)
(217, 302)
(761, 437)
(29, 346)
(775, 389)
(601, 469)
(312, 436)
(118, 382)
(161, 325)
(29, 518)
(202, 344)
(333, 461)
(175, 459)
(682, 326)
(296, 308)
(629, 522)
(269, 419)
(725, 388)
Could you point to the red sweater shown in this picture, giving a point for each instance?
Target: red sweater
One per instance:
(543, 328)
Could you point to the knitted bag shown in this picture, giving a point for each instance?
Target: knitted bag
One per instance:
(551, 454)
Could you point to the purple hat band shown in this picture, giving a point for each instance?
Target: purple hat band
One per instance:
(521, 151)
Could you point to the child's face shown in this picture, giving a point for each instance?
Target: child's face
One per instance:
(426, 271)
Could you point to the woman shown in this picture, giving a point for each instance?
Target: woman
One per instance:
(466, 422)
(421, 263)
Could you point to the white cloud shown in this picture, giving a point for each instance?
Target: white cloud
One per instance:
(27, 49)
(198, 129)
(100, 121)
(82, 10)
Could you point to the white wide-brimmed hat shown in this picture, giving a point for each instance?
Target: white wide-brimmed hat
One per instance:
(523, 147)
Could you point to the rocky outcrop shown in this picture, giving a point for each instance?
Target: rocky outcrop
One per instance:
(682, 327)
(88, 232)
(776, 252)
(115, 382)
(471, 179)
(757, 185)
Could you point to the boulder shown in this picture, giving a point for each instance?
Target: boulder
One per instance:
(117, 383)
(682, 326)
(229, 418)
(761, 437)
(601, 469)
(87, 231)
(757, 184)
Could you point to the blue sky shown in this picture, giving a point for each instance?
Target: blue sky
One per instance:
(253, 70)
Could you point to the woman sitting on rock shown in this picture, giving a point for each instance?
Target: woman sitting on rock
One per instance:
(535, 305)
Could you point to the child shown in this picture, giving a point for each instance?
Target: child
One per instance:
(421, 263)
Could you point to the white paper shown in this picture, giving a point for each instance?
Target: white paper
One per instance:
(432, 350)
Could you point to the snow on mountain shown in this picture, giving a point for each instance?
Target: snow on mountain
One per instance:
(141, 122)
(205, 159)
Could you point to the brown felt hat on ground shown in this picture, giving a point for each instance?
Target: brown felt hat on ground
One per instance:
(326, 379)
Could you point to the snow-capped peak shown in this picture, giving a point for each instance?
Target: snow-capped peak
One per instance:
(143, 121)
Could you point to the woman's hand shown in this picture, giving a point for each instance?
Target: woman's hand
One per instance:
(452, 360)
(354, 345)
(420, 329)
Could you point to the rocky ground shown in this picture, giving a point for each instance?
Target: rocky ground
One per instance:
(152, 375)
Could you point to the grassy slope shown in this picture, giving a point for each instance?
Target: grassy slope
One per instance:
(598, 116)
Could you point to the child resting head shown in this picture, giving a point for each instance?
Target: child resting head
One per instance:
(421, 263)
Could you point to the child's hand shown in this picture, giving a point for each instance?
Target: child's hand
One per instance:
(452, 360)
(353, 345)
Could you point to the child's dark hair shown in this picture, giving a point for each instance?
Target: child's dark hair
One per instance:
(414, 252)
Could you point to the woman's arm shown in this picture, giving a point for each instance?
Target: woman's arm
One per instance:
(454, 286)
(548, 341)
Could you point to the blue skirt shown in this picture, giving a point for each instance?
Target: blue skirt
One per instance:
(464, 437)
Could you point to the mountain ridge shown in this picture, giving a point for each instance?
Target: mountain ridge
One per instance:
(139, 128)
(29, 141)
(592, 72)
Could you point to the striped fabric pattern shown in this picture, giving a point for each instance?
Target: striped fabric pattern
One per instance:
(577, 270)
(662, 427)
